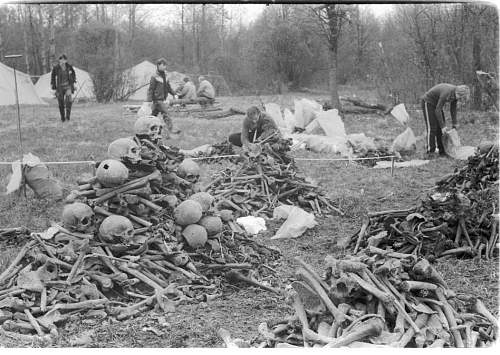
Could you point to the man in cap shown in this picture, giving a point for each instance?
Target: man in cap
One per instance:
(432, 106)
(159, 88)
(63, 79)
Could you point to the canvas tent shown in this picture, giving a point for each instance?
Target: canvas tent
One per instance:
(84, 87)
(136, 81)
(25, 88)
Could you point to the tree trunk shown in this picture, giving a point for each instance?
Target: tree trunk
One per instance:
(195, 41)
(97, 12)
(43, 39)
(222, 19)
(201, 40)
(25, 40)
(2, 51)
(183, 34)
(116, 62)
(85, 14)
(52, 38)
(131, 23)
(334, 95)
(476, 63)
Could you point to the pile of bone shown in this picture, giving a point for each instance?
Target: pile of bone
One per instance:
(126, 244)
(267, 177)
(378, 299)
(459, 218)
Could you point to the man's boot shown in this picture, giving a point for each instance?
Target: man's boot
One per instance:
(61, 112)
(68, 110)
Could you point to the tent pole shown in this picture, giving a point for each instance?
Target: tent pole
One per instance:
(17, 104)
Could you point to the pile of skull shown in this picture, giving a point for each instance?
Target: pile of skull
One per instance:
(142, 230)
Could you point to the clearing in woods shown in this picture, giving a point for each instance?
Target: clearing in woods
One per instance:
(355, 189)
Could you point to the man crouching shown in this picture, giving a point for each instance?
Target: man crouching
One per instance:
(257, 125)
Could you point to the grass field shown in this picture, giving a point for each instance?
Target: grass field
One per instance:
(355, 189)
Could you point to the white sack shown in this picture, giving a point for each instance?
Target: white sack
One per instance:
(454, 148)
(314, 128)
(297, 221)
(305, 111)
(323, 144)
(289, 119)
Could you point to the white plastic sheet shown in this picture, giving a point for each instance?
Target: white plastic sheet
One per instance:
(323, 144)
(405, 142)
(252, 225)
(289, 119)
(305, 111)
(400, 114)
(297, 221)
(331, 123)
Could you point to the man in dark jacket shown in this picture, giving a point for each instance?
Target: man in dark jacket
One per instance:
(432, 107)
(63, 79)
(256, 124)
(159, 88)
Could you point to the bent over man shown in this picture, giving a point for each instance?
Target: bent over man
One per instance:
(159, 88)
(62, 80)
(256, 125)
(432, 107)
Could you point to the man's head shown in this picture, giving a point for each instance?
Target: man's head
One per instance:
(462, 92)
(253, 114)
(201, 78)
(186, 79)
(63, 59)
(161, 64)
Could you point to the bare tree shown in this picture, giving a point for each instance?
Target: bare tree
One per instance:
(52, 37)
(331, 18)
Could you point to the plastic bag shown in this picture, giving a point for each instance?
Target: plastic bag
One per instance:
(399, 113)
(305, 111)
(405, 142)
(297, 221)
(253, 225)
(454, 148)
(289, 120)
(332, 124)
(145, 110)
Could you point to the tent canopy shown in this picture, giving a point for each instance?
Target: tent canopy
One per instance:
(25, 88)
(136, 81)
(84, 87)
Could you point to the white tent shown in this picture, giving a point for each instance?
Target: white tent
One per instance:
(25, 88)
(84, 87)
(136, 81)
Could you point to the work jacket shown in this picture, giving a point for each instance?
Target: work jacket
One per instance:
(159, 87)
(55, 77)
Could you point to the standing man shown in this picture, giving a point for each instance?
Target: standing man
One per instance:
(256, 124)
(63, 79)
(159, 88)
(432, 107)
(205, 90)
(187, 91)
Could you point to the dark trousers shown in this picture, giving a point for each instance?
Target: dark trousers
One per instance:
(235, 138)
(161, 107)
(433, 130)
(64, 101)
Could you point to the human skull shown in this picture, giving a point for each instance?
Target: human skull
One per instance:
(78, 217)
(149, 126)
(189, 170)
(116, 229)
(125, 148)
(111, 173)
